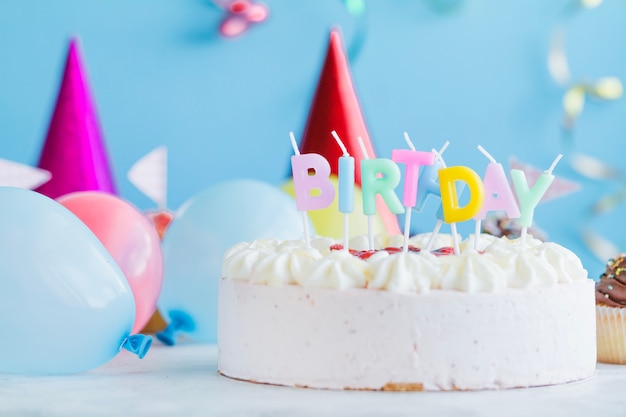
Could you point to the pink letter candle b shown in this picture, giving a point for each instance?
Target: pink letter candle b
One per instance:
(314, 190)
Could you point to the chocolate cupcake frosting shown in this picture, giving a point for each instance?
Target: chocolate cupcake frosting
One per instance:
(611, 289)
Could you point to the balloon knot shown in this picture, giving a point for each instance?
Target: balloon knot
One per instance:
(138, 344)
(179, 322)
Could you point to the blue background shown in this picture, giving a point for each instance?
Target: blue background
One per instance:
(471, 72)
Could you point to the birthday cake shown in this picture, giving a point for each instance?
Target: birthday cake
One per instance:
(512, 314)
(428, 312)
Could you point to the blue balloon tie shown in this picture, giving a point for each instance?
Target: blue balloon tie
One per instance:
(179, 322)
(138, 344)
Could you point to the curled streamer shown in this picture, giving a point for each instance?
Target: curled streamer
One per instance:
(577, 91)
(576, 94)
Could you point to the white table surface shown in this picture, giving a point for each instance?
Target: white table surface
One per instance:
(183, 381)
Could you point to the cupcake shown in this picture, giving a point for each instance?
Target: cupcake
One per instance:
(611, 312)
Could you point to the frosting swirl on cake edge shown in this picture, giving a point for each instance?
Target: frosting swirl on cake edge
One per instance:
(504, 263)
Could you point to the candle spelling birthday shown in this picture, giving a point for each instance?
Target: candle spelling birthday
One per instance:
(529, 197)
(310, 179)
(346, 188)
(413, 160)
(498, 194)
(380, 177)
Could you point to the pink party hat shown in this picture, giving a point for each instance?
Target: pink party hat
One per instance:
(74, 150)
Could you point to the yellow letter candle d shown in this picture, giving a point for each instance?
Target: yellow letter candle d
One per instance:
(452, 212)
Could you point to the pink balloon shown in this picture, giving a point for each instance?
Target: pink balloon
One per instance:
(131, 240)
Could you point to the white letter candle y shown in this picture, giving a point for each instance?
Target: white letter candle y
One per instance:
(529, 197)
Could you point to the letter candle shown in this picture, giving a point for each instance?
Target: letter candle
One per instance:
(452, 212)
(370, 236)
(529, 197)
(378, 176)
(413, 160)
(455, 238)
(304, 183)
(498, 194)
(429, 185)
(346, 188)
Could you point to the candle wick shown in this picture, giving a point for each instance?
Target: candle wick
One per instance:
(340, 143)
(294, 144)
(556, 161)
(439, 157)
(455, 239)
(408, 141)
(362, 145)
(487, 154)
(444, 147)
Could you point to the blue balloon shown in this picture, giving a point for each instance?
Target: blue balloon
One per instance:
(65, 306)
(194, 244)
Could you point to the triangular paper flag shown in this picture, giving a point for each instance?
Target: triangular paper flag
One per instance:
(336, 107)
(559, 187)
(149, 175)
(13, 174)
(74, 150)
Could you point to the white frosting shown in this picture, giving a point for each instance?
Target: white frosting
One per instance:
(506, 245)
(472, 272)
(443, 340)
(420, 240)
(484, 240)
(441, 240)
(338, 270)
(240, 260)
(283, 268)
(404, 272)
(320, 243)
(568, 266)
(503, 263)
(533, 263)
(530, 271)
(362, 243)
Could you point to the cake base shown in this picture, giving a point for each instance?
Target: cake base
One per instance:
(379, 340)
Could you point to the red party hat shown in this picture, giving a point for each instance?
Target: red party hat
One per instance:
(336, 107)
(74, 150)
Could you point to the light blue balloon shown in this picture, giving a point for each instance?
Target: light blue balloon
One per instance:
(202, 230)
(65, 306)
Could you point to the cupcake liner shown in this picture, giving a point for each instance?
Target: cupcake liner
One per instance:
(611, 334)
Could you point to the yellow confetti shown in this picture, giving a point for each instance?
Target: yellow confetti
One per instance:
(574, 101)
(608, 88)
(608, 203)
